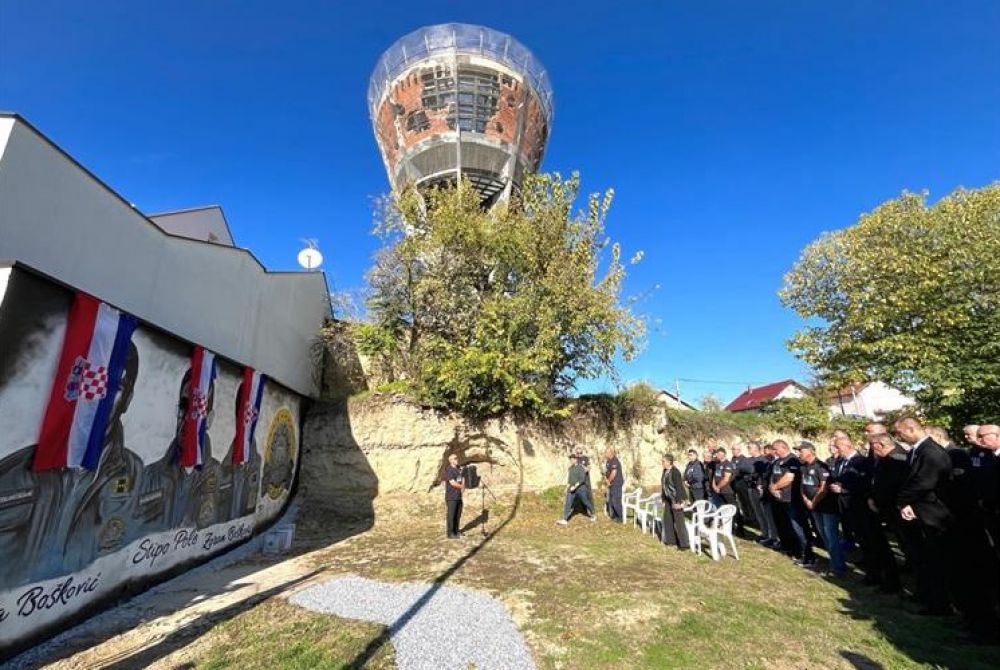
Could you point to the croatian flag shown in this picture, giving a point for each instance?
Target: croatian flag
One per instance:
(195, 419)
(251, 392)
(88, 377)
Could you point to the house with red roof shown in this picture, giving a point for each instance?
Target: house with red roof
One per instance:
(752, 399)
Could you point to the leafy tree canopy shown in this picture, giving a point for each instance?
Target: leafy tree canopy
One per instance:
(909, 295)
(485, 311)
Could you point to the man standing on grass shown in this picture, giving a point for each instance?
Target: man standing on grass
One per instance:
(454, 484)
(672, 494)
(786, 484)
(615, 480)
(694, 477)
(722, 486)
(922, 508)
(822, 504)
(575, 490)
(587, 491)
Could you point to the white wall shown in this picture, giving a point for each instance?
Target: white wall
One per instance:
(58, 219)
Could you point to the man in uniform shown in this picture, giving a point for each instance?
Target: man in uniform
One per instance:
(972, 578)
(614, 479)
(742, 474)
(694, 477)
(786, 488)
(921, 506)
(575, 491)
(708, 464)
(888, 474)
(454, 484)
(722, 488)
(587, 492)
(822, 504)
(763, 470)
(674, 530)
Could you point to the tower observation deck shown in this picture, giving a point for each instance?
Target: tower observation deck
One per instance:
(460, 101)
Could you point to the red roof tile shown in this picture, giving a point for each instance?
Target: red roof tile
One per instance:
(755, 397)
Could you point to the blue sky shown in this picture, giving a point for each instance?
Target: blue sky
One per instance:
(734, 133)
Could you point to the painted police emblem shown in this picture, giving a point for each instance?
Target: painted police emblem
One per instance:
(279, 454)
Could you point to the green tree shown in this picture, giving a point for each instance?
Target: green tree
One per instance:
(485, 311)
(805, 415)
(710, 403)
(908, 295)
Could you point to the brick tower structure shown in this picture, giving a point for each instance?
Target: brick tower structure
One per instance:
(460, 101)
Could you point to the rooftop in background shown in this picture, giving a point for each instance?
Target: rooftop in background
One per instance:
(207, 224)
(753, 398)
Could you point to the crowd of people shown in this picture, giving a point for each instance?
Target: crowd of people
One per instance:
(910, 494)
(915, 488)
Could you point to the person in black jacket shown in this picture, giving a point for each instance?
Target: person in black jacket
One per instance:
(454, 484)
(851, 481)
(970, 558)
(672, 494)
(889, 472)
(762, 477)
(921, 503)
(694, 477)
(742, 474)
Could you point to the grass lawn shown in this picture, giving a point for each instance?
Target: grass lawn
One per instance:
(603, 596)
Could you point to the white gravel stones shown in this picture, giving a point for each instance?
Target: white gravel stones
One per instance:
(431, 627)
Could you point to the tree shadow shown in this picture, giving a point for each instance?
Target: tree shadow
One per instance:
(368, 653)
(934, 641)
(860, 661)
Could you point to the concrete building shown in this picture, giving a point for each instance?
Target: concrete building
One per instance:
(674, 401)
(95, 529)
(870, 400)
(460, 101)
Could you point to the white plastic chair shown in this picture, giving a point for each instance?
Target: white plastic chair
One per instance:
(698, 509)
(644, 510)
(630, 501)
(716, 527)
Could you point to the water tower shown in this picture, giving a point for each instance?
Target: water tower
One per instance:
(460, 101)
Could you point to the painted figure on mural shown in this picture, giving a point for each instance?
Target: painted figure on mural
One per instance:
(54, 521)
(104, 518)
(176, 496)
(58, 521)
(239, 484)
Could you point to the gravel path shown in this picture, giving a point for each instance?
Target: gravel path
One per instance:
(432, 628)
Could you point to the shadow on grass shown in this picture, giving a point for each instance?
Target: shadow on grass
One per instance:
(936, 641)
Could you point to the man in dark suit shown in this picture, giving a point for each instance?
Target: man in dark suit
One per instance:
(889, 472)
(672, 494)
(921, 503)
(851, 481)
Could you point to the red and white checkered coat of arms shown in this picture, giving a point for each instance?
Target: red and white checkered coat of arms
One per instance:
(86, 382)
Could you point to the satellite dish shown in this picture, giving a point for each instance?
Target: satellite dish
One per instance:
(310, 258)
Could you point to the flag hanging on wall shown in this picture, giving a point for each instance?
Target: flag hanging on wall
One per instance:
(88, 376)
(251, 393)
(196, 412)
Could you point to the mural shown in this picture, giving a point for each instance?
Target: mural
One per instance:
(70, 535)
